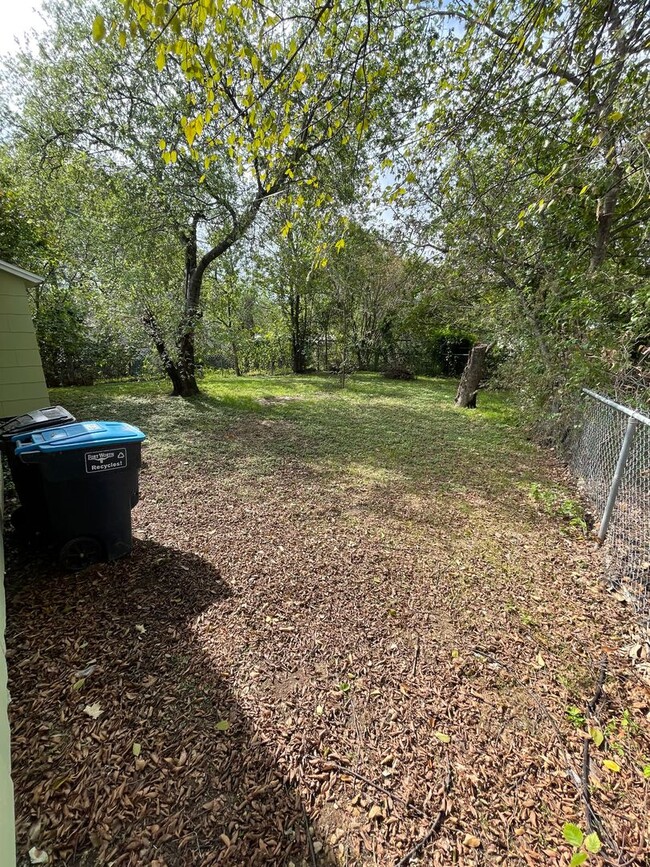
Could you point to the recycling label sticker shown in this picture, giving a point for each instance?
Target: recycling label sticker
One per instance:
(102, 462)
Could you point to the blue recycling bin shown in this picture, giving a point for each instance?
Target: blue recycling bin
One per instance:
(83, 485)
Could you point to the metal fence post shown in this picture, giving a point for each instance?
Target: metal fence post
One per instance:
(632, 425)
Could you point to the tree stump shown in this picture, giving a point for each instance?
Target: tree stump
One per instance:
(472, 375)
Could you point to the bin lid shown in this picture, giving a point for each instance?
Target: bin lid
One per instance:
(83, 434)
(37, 418)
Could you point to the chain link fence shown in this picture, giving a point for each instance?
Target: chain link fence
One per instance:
(612, 461)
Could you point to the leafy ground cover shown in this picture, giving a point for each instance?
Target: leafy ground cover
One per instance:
(353, 621)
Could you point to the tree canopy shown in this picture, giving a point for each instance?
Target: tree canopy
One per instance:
(338, 183)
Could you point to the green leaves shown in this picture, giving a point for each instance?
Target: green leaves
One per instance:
(593, 843)
(572, 834)
(99, 28)
(285, 93)
(596, 735)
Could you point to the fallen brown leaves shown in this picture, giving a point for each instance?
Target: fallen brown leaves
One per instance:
(283, 675)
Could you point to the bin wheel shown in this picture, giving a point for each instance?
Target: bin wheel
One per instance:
(78, 553)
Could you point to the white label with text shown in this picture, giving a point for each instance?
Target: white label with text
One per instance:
(102, 462)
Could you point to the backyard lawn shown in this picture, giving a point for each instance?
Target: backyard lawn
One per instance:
(353, 620)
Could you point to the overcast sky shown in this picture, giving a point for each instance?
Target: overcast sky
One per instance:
(17, 17)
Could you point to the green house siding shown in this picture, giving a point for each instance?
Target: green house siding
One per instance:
(22, 388)
(22, 384)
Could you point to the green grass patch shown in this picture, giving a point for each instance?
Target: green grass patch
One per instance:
(405, 433)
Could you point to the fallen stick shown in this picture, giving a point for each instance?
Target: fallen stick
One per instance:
(415, 655)
(580, 781)
(602, 674)
(379, 788)
(310, 842)
(594, 822)
(428, 837)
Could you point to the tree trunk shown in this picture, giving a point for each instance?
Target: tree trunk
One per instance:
(170, 368)
(191, 314)
(187, 365)
(472, 375)
(298, 355)
(606, 211)
(235, 355)
(298, 363)
(183, 373)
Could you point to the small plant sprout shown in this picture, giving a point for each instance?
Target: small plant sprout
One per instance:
(584, 845)
(575, 716)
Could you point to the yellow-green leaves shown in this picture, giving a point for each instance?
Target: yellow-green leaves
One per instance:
(583, 844)
(270, 96)
(596, 735)
(592, 843)
(161, 57)
(99, 29)
(299, 80)
(572, 834)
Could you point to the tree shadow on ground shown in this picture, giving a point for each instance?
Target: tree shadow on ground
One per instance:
(128, 744)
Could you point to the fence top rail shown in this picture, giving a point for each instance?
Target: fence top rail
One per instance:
(632, 413)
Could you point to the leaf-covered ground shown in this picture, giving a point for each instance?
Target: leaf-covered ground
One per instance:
(352, 621)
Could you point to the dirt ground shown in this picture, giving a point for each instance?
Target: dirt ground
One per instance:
(317, 655)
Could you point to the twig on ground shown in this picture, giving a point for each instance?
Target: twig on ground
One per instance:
(357, 728)
(428, 837)
(581, 781)
(479, 651)
(415, 655)
(379, 788)
(310, 842)
(594, 822)
(602, 674)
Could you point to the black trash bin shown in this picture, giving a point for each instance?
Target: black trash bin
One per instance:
(89, 484)
(26, 477)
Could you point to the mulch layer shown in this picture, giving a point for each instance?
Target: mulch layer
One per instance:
(302, 671)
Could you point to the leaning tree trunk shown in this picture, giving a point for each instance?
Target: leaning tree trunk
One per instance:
(169, 365)
(472, 375)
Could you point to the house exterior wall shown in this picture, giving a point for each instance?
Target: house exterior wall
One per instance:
(22, 388)
(7, 833)
(22, 384)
